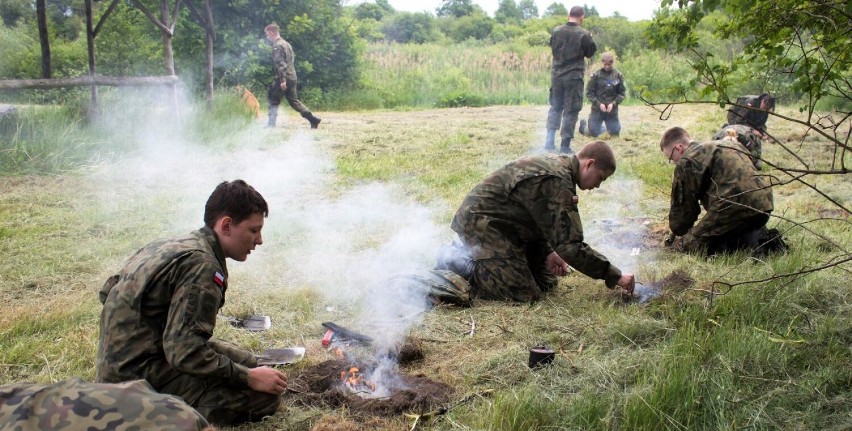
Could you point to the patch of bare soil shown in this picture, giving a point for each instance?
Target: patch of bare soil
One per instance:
(677, 281)
(320, 385)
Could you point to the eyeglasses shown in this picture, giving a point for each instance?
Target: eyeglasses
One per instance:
(671, 154)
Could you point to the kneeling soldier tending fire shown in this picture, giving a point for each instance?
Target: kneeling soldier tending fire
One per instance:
(520, 227)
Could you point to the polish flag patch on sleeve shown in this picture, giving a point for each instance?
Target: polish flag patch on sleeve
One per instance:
(219, 279)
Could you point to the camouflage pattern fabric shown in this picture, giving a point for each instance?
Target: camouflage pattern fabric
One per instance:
(719, 177)
(285, 71)
(79, 405)
(283, 60)
(606, 87)
(746, 136)
(566, 100)
(570, 45)
(516, 217)
(157, 324)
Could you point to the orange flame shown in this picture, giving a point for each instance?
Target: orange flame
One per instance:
(354, 380)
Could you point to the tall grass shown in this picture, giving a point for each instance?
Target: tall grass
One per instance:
(433, 75)
(52, 140)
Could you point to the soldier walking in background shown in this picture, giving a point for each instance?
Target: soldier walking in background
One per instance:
(285, 81)
(160, 311)
(720, 177)
(606, 91)
(571, 45)
(521, 226)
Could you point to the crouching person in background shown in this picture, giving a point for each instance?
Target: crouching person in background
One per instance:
(521, 226)
(720, 177)
(78, 405)
(160, 310)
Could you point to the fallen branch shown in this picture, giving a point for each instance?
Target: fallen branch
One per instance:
(444, 409)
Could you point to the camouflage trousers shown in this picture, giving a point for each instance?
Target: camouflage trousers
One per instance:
(566, 100)
(743, 235)
(219, 402)
(275, 93)
(523, 278)
(79, 405)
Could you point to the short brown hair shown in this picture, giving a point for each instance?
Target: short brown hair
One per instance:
(601, 153)
(577, 11)
(235, 199)
(272, 27)
(674, 135)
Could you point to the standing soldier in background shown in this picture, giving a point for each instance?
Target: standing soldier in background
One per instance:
(571, 45)
(285, 79)
(606, 91)
(160, 312)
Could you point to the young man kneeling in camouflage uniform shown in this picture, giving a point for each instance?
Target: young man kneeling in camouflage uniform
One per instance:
(160, 310)
(522, 227)
(720, 177)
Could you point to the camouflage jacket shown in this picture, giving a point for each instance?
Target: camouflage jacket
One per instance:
(160, 311)
(77, 405)
(283, 59)
(720, 176)
(606, 87)
(570, 45)
(532, 199)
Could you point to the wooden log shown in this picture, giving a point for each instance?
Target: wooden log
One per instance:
(83, 81)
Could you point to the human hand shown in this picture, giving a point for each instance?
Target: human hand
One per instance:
(284, 85)
(556, 265)
(268, 380)
(610, 107)
(603, 107)
(627, 282)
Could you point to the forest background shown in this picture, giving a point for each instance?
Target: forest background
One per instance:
(749, 344)
(370, 56)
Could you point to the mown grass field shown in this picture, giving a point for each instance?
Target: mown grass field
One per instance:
(371, 194)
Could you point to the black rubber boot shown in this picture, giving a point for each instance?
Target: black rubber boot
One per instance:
(312, 119)
(582, 128)
(565, 146)
(548, 141)
(273, 115)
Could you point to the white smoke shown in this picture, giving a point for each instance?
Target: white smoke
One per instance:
(345, 243)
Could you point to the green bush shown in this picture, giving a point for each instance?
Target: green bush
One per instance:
(460, 98)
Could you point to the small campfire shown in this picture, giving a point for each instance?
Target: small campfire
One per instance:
(354, 381)
(376, 387)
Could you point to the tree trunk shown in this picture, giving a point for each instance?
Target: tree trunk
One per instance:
(210, 38)
(41, 12)
(90, 44)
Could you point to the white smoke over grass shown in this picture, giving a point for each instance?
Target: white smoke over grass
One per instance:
(346, 244)
(616, 224)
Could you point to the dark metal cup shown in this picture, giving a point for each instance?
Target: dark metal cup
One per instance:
(540, 356)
